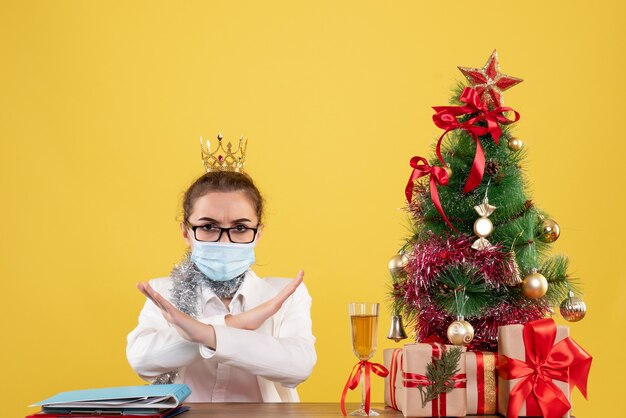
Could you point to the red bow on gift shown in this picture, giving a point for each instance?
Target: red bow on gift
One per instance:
(446, 118)
(566, 361)
(355, 377)
(438, 175)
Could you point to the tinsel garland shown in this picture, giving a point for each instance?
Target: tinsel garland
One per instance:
(187, 284)
(430, 257)
(431, 321)
(432, 254)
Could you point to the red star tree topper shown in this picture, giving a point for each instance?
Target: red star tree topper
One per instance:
(489, 82)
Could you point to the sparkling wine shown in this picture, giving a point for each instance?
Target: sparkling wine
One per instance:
(364, 329)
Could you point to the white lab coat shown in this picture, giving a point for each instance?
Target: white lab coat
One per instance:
(280, 353)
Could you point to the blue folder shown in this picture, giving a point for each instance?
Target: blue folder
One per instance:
(125, 399)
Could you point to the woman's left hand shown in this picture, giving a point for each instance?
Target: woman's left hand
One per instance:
(188, 327)
(255, 317)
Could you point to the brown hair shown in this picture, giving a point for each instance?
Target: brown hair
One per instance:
(222, 181)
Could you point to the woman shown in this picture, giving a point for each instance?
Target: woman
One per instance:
(214, 324)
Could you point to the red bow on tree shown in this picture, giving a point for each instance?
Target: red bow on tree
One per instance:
(438, 175)
(566, 361)
(446, 118)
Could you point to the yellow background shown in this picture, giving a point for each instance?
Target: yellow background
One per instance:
(102, 105)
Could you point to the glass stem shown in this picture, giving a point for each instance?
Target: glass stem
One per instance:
(363, 391)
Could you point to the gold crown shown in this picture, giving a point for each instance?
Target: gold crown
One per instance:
(223, 159)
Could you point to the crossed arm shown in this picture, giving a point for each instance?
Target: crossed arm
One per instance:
(195, 331)
(287, 357)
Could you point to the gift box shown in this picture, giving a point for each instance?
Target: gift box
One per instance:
(482, 389)
(392, 359)
(538, 363)
(416, 383)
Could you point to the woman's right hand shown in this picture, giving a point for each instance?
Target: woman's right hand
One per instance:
(188, 327)
(253, 318)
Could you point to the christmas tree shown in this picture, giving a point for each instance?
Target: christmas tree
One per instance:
(478, 257)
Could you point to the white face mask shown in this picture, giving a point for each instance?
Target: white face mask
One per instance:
(222, 261)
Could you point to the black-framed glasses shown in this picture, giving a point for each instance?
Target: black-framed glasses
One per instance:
(239, 234)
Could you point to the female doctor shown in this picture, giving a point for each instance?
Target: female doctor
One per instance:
(214, 324)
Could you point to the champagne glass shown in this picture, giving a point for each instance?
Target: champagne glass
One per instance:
(364, 322)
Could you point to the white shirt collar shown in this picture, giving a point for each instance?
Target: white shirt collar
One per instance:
(248, 290)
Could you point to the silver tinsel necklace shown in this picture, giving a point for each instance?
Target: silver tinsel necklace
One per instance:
(187, 284)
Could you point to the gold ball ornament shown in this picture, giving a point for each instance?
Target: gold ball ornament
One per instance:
(550, 230)
(449, 171)
(515, 144)
(534, 285)
(573, 309)
(460, 332)
(483, 227)
(397, 263)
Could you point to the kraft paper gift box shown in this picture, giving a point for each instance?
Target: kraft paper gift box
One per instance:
(538, 365)
(415, 358)
(482, 390)
(392, 359)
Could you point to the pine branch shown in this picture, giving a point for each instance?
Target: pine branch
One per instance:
(462, 279)
(560, 283)
(440, 374)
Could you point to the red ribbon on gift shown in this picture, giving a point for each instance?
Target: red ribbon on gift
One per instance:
(446, 118)
(416, 380)
(438, 175)
(480, 381)
(396, 364)
(565, 361)
(433, 338)
(355, 376)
